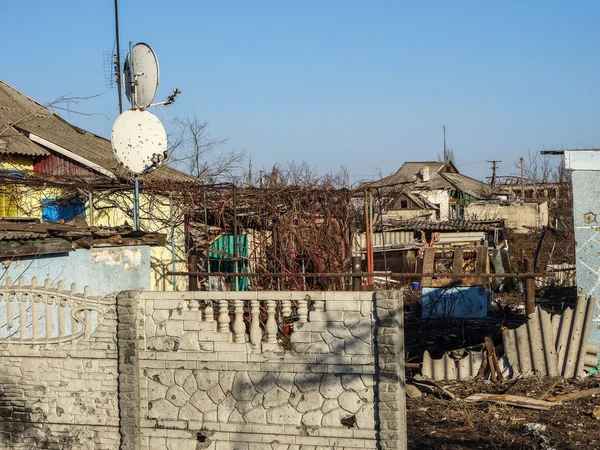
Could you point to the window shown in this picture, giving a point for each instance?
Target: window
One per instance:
(403, 204)
(54, 209)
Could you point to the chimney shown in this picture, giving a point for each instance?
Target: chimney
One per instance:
(425, 173)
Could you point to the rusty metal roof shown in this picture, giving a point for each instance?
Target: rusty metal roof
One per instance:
(450, 225)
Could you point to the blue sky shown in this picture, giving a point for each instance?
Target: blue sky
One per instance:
(363, 84)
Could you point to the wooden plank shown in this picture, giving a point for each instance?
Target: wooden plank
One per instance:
(493, 360)
(33, 247)
(513, 400)
(574, 395)
(481, 263)
(428, 260)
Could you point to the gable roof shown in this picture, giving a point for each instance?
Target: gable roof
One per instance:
(409, 174)
(442, 175)
(28, 126)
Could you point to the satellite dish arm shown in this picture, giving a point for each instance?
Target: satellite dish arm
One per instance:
(170, 99)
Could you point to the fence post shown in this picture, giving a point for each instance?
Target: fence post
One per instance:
(356, 270)
(390, 387)
(529, 287)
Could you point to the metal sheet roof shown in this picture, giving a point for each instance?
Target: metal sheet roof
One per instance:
(450, 225)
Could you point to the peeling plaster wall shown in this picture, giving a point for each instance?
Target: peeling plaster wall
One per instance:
(105, 270)
(517, 216)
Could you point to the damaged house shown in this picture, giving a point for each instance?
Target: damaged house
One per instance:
(433, 190)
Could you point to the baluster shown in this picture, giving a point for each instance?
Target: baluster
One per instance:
(194, 304)
(223, 315)
(286, 306)
(255, 333)
(319, 304)
(303, 309)
(49, 301)
(61, 316)
(239, 329)
(22, 299)
(10, 309)
(209, 312)
(271, 326)
(35, 316)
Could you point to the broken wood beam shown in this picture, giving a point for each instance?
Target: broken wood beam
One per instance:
(575, 395)
(513, 400)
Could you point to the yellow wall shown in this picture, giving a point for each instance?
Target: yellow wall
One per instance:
(110, 209)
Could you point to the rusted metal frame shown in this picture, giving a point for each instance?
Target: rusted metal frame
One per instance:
(365, 274)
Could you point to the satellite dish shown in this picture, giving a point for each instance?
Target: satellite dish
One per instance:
(139, 140)
(145, 73)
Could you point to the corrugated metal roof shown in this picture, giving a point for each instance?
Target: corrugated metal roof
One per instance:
(21, 235)
(26, 115)
(555, 345)
(450, 225)
(451, 368)
(14, 143)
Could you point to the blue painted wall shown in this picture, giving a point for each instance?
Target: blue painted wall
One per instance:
(105, 270)
(459, 302)
(586, 200)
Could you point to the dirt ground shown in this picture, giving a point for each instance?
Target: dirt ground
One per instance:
(436, 423)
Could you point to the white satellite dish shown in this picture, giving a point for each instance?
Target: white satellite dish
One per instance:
(146, 75)
(139, 140)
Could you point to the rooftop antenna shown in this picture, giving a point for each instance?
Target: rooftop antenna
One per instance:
(118, 57)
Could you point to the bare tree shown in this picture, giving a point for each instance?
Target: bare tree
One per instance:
(194, 148)
(539, 168)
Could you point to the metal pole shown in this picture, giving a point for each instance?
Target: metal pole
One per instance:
(193, 280)
(136, 202)
(207, 240)
(371, 255)
(132, 75)
(235, 239)
(356, 269)
(91, 202)
(529, 287)
(172, 241)
(118, 58)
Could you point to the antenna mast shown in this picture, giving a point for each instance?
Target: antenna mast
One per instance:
(118, 56)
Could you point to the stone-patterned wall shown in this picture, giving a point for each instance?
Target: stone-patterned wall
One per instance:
(61, 396)
(200, 389)
(193, 371)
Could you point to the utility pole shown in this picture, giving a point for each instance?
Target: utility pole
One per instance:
(494, 167)
(522, 172)
(118, 56)
(445, 148)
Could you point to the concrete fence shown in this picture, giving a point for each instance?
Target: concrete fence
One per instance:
(208, 370)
